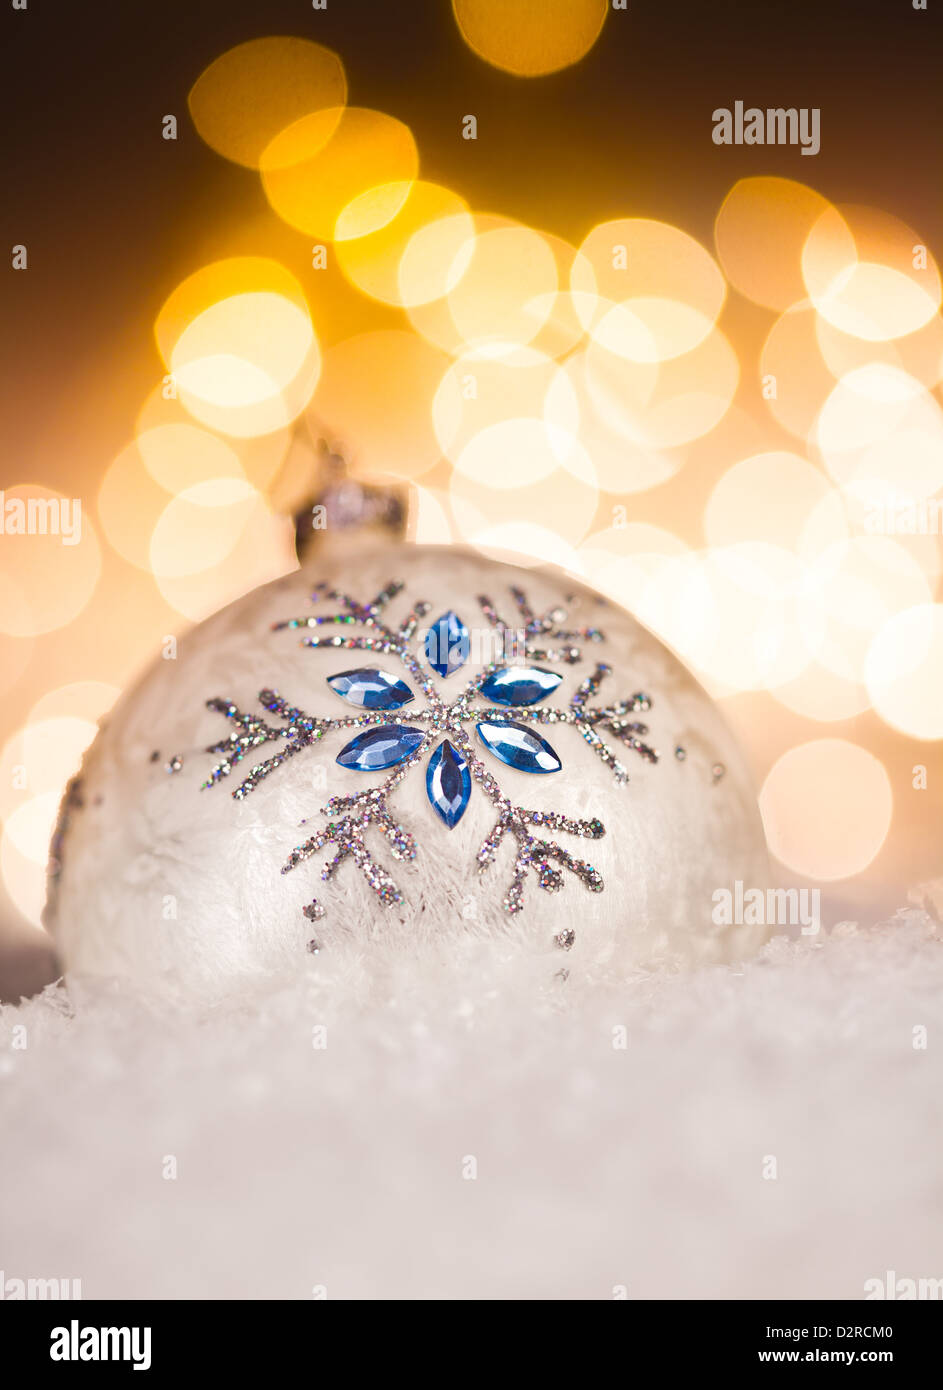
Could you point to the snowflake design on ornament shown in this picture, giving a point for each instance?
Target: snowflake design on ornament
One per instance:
(398, 738)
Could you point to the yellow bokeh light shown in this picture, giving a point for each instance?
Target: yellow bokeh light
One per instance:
(419, 255)
(249, 94)
(818, 693)
(179, 456)
(200, 526)
(39, 759)
(758, 214)
(315, 169)
(176, 460)
(903, 671)
(849, 591)
(530, 37)
(375, 396)
(559, 503)
(689, 396)
(621, 561)
(483, 389)
(881, 423)
(769, 497)
(250, 547)
(827, 808)
(511, 271)
(869, 274)
(666, 288)
(238, 340)
(24, 853)
(919, 354)
(593, 410)
(50, 559)
(518, 453)
(795, 378)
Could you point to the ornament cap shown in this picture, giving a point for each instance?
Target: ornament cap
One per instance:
(339, 502)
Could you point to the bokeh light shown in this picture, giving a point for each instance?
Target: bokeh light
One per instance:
(375, 395)
(315, 169)
(904, 671)
(869, 274)
(759, 213)
(827, 807)
(645, 289)
(418, 255)
(50, 559)
(530, 37)
(238, 341)
(251, 93)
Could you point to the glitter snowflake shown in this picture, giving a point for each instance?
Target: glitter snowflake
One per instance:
(505, 702)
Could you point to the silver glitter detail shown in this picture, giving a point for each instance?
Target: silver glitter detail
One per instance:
(717, 772)
(359, 627)
(175, 763)
(565, 939)
(680, 753)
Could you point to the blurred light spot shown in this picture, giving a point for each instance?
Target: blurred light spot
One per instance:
(667, 288)
(39, 759)
(866, 275)
(525, 543)
(559, 503)
(200, 527)
(519, 453)
(247, 95)
(827, 808)
(853, 587)
(24, 853)
(375, 396)
(86, 700)
(261, 551)
(818, 693)
(259, 458)
(483, 389)
(47, 575)
(178, 456)
(875, 507)
(759, 642)
(420, 254)
(512, 270)
(757, 215)
(880, 423)
(689, 397)
(768, 497)
(904, 672)
(679, 606)
(315, 169)
(593, 410)
(238, 340)
(15, 652)
(795, 378)
(428, 522)
(621, 561)
(530, 37)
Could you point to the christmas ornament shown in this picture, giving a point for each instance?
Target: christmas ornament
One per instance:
(421, 745)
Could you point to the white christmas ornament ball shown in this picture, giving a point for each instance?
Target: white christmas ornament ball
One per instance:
(584, 803)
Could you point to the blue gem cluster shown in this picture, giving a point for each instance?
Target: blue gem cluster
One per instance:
(506, 702)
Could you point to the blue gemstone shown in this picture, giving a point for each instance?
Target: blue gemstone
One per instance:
(384, 746)
(518, 746)
(447, 644)
(370, 688)
(519, 685)
(448, 783)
